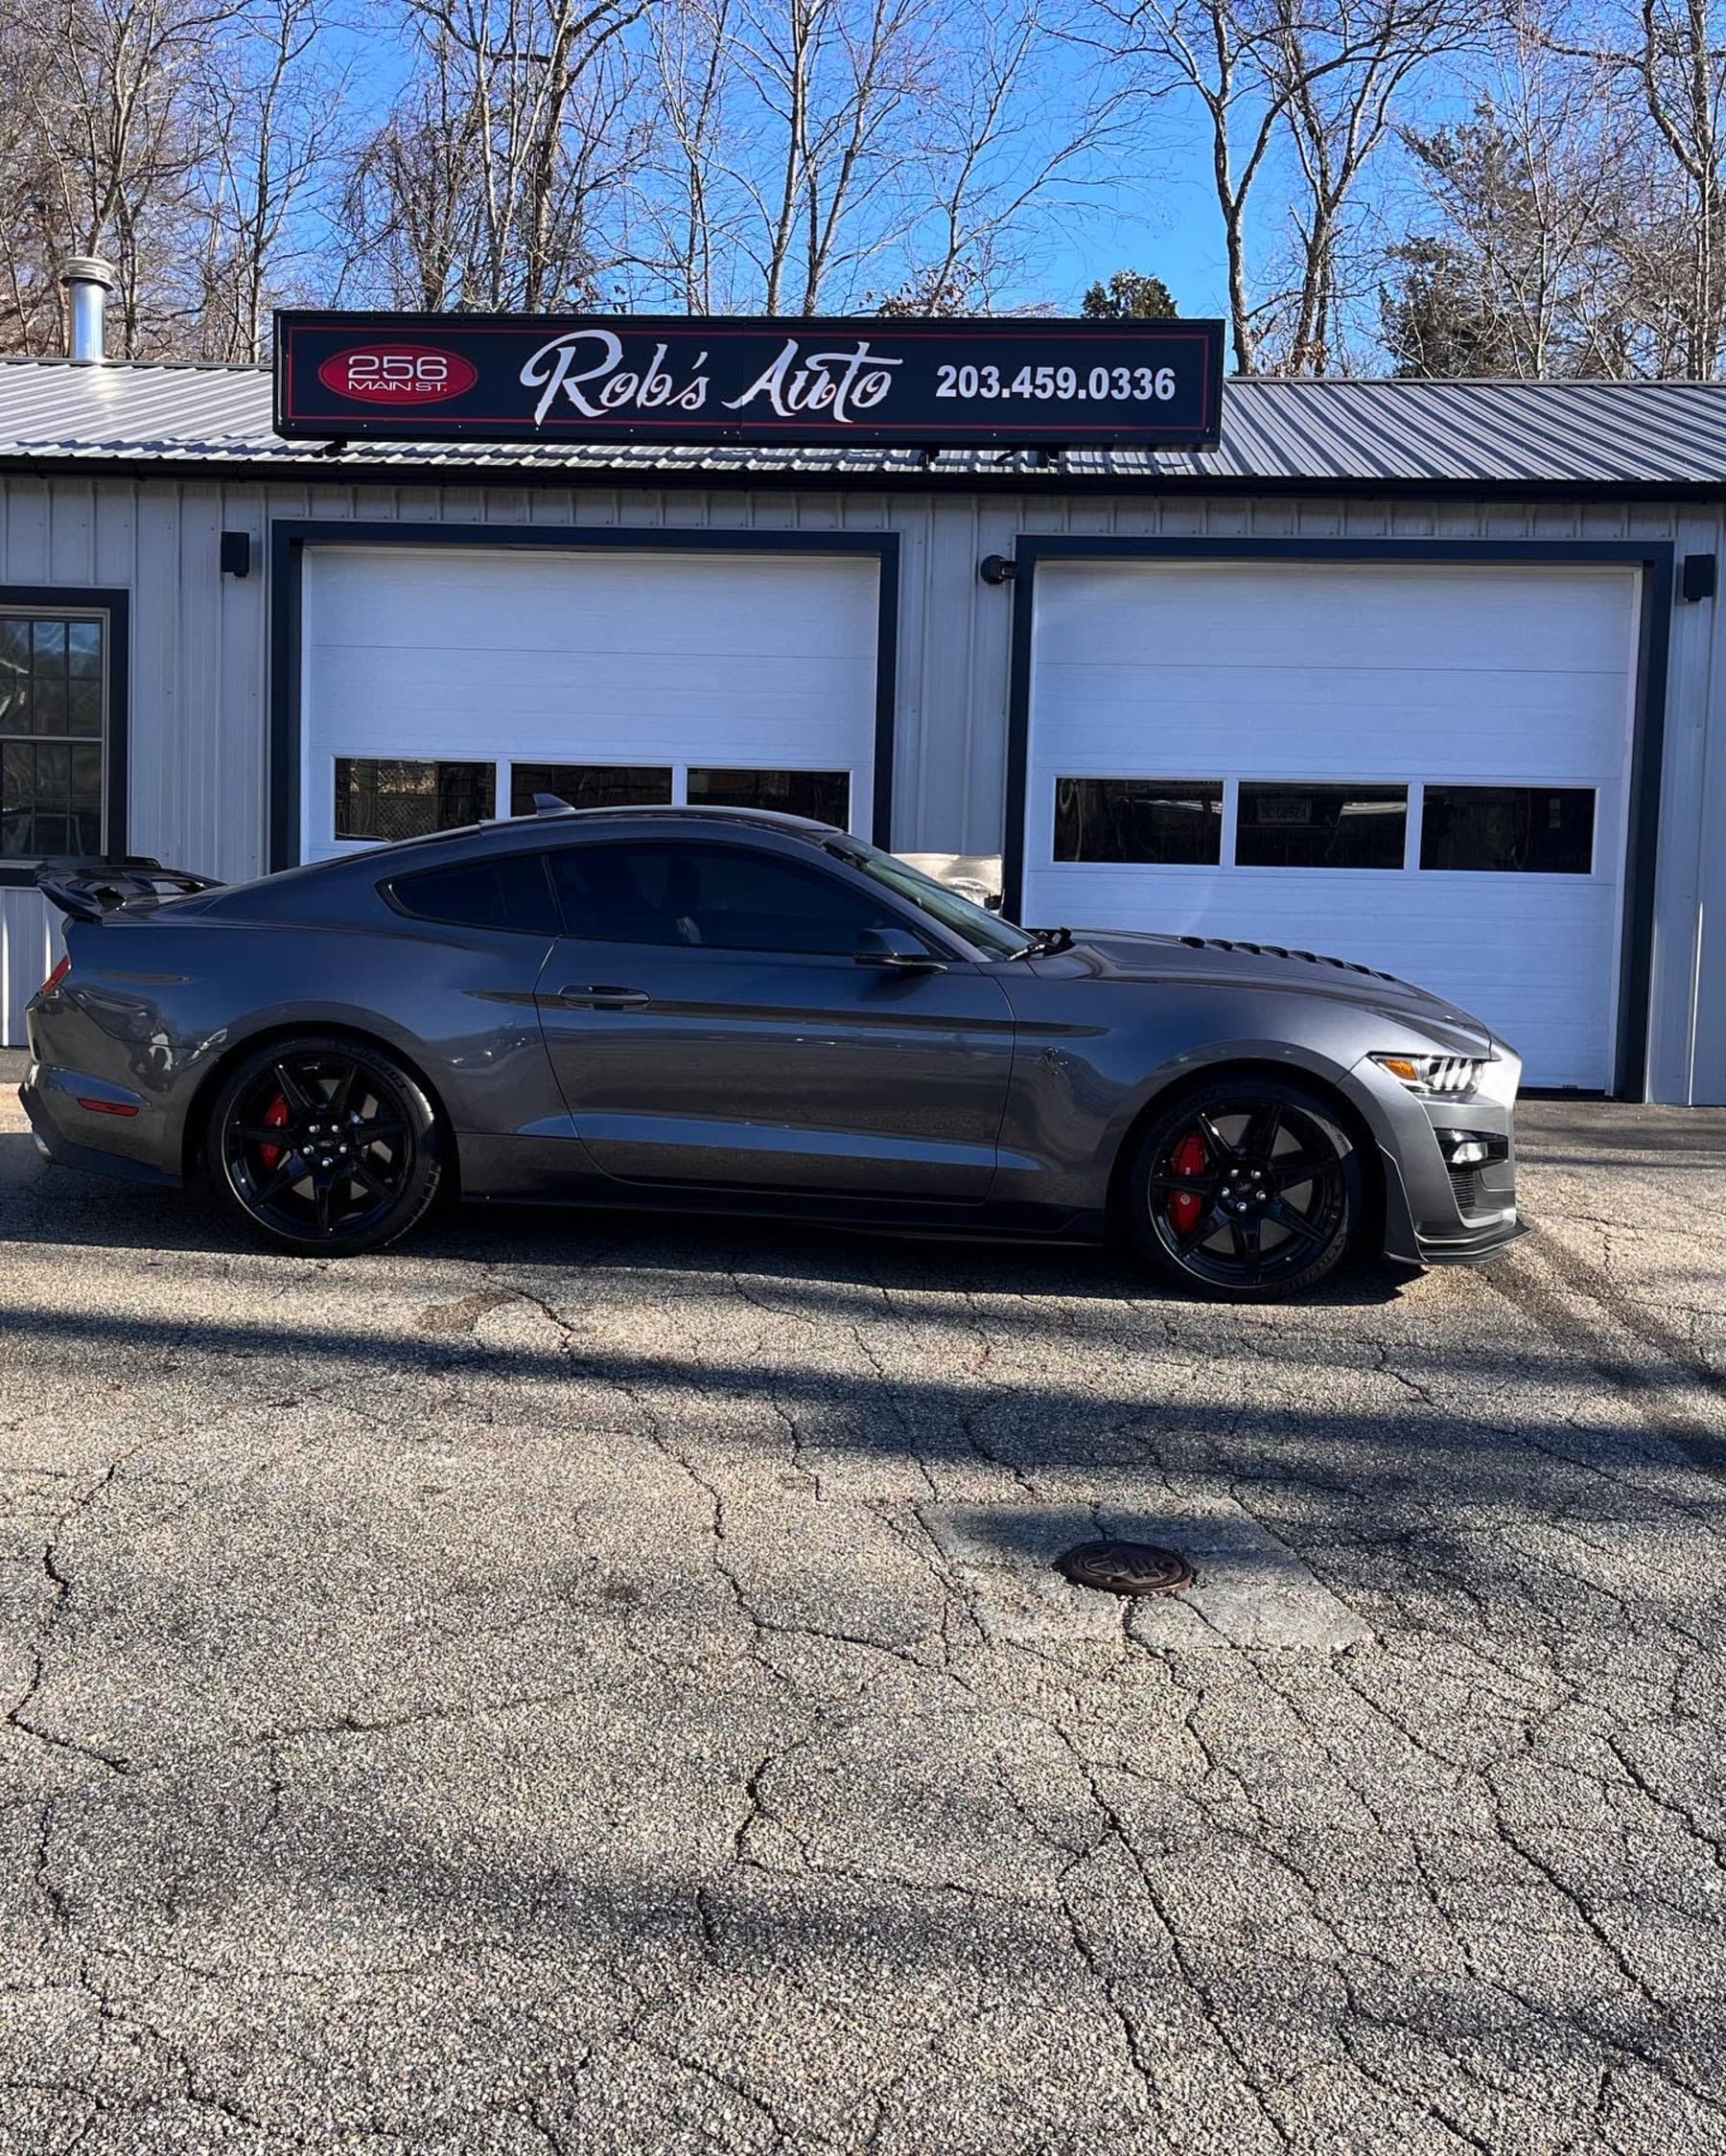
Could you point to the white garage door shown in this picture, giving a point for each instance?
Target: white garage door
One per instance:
(1423, 767)
(442, 684)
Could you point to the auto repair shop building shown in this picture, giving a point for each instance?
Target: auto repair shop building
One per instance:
(1426, 675)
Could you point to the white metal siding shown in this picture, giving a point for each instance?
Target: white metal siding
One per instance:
(1357, 672)
(199, 658)
(748, 661)
(28, 949)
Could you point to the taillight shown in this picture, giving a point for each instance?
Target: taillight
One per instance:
(54, 979)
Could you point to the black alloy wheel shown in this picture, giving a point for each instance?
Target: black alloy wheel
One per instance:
(325, 1145)
(1246, 1189)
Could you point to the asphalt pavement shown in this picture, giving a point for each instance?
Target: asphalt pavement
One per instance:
(581, 1685)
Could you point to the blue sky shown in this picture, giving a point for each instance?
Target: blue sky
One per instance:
(1156, 211)
(1164, 223)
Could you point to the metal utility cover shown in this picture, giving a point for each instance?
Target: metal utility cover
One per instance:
(1126, 1568)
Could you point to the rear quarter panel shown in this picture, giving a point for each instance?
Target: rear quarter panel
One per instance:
(165, 1006)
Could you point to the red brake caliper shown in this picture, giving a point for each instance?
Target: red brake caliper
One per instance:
(1186, 1206)
(276, 1115)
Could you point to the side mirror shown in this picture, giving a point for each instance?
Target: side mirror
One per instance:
(896, 947)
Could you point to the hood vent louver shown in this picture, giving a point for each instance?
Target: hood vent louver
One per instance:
(1281, 951)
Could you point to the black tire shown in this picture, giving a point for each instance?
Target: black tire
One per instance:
(1245, 1189)
(358, 1160)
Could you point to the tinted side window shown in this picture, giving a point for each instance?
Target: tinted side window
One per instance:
(510, 892)
(724, 899)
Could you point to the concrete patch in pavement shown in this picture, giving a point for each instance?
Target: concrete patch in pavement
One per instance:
(1251, 1592)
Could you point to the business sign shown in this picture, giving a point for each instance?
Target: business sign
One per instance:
(677, 378)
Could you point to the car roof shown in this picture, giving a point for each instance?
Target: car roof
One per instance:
(775, 818)
(711, 809)
(559, 825)
(381, 863)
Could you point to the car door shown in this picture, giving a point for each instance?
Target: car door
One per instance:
(709, 1024)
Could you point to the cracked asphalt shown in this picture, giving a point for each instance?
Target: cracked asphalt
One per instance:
(579, 1686)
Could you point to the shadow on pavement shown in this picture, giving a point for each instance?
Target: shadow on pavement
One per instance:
(44, 1204)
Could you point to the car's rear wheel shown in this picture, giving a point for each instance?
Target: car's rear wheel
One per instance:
(1245, 1189)
(325, 1145)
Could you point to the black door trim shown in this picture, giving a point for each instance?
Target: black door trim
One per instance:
(1653, 557)
(290, 537)
(115, 604)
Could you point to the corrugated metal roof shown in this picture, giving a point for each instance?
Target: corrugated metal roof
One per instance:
(1487, 434)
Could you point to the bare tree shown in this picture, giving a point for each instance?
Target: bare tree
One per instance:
(1223, 55)
(481, 187)
(692, 211)
(31, 314)
(1672, 53)
(1321, 75)
(406, 210)
(115, 114)
(272, 108)
(1528, 249)
(817, 153)
(1340, 69)
(1003, 151)
(833, 82)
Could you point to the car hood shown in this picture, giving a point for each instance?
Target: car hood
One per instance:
(1216, 961)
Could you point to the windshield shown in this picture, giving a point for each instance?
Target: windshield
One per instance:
(984, 930)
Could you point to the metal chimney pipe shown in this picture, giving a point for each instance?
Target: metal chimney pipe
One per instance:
(90, 280)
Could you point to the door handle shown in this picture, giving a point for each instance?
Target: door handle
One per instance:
(603, 995)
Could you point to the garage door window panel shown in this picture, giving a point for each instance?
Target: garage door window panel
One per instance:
(1288, 824)
(386, 799)
(709, 899)
(591, 785)
(1149, 821)
(822, 795)
(50, 736)
(1530, 830)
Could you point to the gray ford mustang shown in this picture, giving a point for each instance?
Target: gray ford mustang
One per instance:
(712, 1009)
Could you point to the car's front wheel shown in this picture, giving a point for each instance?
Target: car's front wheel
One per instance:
(325, 1145)
(1245, 1189)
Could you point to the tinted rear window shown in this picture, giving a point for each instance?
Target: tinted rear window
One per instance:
(509, 891)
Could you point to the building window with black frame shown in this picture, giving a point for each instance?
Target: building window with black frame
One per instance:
(53, 725)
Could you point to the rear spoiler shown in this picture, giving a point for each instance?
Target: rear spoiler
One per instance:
(87, 890)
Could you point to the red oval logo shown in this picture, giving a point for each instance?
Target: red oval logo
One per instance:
(397, 373)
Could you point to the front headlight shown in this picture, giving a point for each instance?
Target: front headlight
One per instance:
(1447, 1076)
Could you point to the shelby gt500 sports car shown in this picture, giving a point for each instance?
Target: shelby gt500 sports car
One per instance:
(689, 1009)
